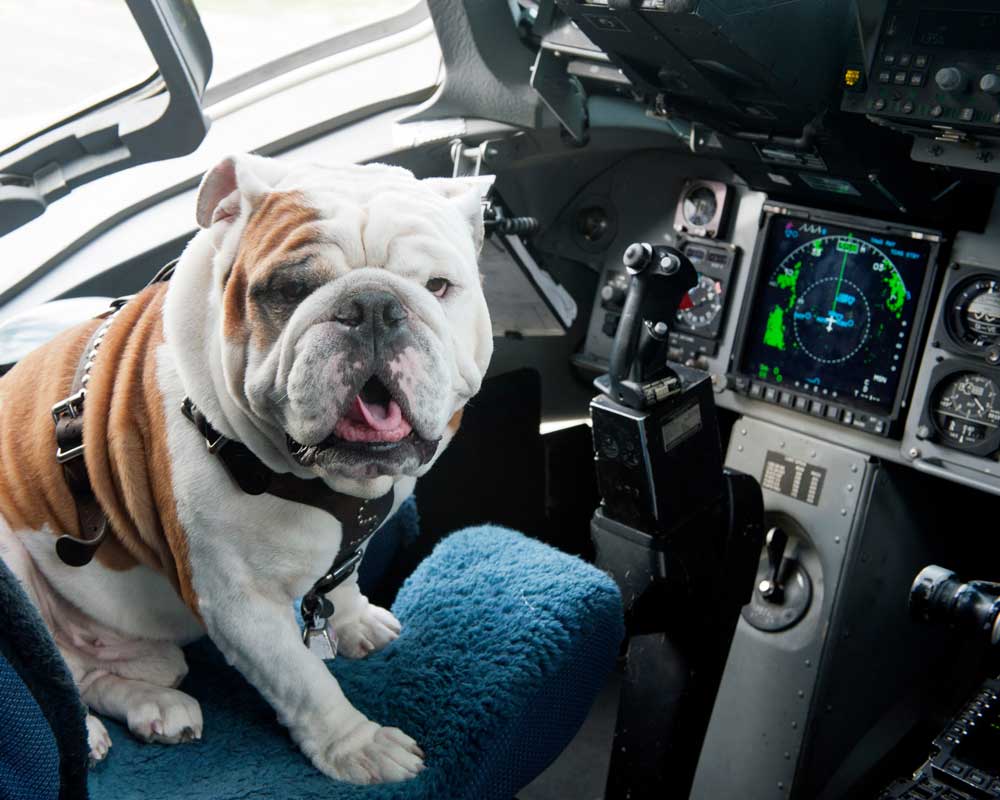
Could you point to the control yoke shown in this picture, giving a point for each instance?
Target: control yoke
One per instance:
(639, 376)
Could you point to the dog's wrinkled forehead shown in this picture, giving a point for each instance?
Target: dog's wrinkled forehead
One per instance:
(325, 221)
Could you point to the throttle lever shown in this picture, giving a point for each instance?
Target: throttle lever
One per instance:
(771, 587)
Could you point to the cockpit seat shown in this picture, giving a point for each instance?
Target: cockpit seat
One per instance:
(506, 642)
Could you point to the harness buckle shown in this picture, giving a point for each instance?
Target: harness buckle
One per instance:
(72, 406)
(188, 410)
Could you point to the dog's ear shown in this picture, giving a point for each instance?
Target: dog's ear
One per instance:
(233, 186)
(467, 194)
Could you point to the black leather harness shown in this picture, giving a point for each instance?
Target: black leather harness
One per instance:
(358, 518)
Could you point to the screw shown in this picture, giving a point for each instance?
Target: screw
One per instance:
(914, 452)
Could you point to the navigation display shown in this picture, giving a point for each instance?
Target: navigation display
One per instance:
(834, 310)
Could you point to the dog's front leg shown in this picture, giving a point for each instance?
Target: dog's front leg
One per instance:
(362, 627)
(259, 636)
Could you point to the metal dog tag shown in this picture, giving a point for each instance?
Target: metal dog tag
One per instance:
(321, 640)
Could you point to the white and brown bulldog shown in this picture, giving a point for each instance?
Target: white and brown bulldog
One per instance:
(332, 320)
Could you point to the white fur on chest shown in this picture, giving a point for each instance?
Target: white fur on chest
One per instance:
(277, 547)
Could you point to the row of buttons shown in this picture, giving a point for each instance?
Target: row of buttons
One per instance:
(907, 107)
(973, 776)
(903, 78)
(905, 59)
(817, 408)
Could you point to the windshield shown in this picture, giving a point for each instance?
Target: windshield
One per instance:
(246, 34)
(64, 56)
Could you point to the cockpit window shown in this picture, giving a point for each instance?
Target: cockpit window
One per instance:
(248, 34)
(64, 56)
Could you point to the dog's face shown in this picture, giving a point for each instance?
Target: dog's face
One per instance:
(353, 323)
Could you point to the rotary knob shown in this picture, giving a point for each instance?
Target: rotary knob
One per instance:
(990, 83)
(950, 79)
(612, 295)
(637, 256)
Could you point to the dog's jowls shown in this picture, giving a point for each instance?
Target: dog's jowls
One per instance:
(332, 320)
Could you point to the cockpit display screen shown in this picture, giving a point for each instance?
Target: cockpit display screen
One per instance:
(834, 311)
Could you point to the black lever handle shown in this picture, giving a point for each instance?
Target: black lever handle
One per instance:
(660, 277)
(775, 543)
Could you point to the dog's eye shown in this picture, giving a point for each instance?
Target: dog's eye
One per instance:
(293, 290)
(438, 286)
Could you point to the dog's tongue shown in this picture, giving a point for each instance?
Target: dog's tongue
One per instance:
(373, 422)
(377, 416)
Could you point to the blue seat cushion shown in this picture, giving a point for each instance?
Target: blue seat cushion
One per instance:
(505, 644)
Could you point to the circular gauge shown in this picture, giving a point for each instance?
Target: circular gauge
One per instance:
(700, 207)
(974, 313)
(825, 313)
(701, 306)
(966, 411)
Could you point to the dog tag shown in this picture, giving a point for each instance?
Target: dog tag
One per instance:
(321, 640)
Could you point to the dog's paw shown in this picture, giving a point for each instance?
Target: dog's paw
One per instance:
(164, 715)
(372, 754)
(370, 632)
(98, 739)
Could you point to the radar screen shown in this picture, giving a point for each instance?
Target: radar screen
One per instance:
(834, 311)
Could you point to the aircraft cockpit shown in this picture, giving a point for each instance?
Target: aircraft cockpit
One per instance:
(684, 314)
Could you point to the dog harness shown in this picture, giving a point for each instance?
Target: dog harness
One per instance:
(358, 518)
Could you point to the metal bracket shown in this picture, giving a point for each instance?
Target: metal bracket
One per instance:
(561, 93)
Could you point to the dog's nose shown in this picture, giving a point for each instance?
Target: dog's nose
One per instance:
(371, 306)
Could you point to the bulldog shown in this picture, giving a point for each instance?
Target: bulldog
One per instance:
(331, 321)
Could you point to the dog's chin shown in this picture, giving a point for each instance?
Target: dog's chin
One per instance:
(363, 460)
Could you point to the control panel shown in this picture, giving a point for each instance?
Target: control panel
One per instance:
(964, 763)
(934, 66)
(833, 316)
(702, 312)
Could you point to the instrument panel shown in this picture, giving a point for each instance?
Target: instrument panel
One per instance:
(833, 315)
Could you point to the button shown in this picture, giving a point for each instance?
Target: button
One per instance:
(756, 390)
(771, 394)
(889, 58)
(885, 76)
(848, 418)
(967, 114)
(920, 62)
(878, 426)
(899, 79)
(904, 60)
(817, 409)
(879, 104)
(801, 403)
(996, 118)
(955, 767)
(787, 399)
(937, 111)
(907, 107)
(976, 778)
(833, 413)
(918, 78)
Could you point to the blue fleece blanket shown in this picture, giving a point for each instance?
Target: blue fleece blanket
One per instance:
(505, 644)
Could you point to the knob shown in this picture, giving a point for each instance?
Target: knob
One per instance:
(637, 256)
(775, 543)
(612, 295)
(990, 83)
(950, 79)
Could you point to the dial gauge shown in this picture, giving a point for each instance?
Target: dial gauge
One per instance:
(702, 304)
(966, 412)
(974, 313)
(700, 206)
